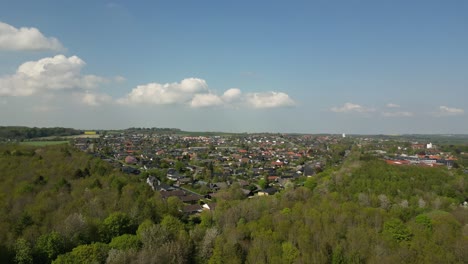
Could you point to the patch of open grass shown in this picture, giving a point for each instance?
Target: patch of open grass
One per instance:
(43, 143)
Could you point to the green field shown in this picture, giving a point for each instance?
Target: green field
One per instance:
(43, 143)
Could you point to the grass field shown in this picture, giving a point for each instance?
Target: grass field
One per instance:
(66, 137)
(84, 136)
(43, 143)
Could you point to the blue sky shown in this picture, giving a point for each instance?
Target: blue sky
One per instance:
(244, 66)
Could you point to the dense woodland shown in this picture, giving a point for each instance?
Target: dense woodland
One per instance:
(59, 205)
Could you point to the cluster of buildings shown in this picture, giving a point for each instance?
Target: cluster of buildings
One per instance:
(424, 154)
(195, 168)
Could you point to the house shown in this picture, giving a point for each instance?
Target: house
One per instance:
(446, 162)
(267, 191)
(243, 183)
(244, 160)
(192, 209)
(398, 162)
(283, 181)
(167, 194)
(184, 180)
(247, 192)
(272, 178)
(309, 170)
(131, 160)
(173, 175)
(157, 185)
(191, 198)
(182, 195)
(219, 186)
(277, 163)
(418, 146)
(130, 170)
(257, 171)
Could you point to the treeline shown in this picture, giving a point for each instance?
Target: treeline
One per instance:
(18, 133)
(152, 130)
(58, 205)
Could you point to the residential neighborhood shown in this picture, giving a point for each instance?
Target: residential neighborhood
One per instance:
(199, 169)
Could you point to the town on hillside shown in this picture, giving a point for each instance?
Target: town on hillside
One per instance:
(197, 169)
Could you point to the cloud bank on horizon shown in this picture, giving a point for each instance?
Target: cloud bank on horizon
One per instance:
(449, 111)
(347, 108)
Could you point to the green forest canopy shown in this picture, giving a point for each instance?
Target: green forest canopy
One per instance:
(63, 206)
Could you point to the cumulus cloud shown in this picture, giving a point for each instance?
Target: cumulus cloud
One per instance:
(168, 93)
(194, 92)
(350, 107)
(449, 111)
(231, 95)
(269, 100)
(391, 105)
(191, 85)
(205, 100)
(94, 99)
(48, 74)
(24, 38)
(398, 114)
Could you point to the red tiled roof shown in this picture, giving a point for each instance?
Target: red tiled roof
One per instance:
(272, 178)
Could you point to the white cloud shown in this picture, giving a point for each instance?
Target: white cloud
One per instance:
(232, 95)
(391, 105)
(48, 74)
(194, 92)
(449, 111)
(94, 99)
(350, 107)
(269, 100)
(398, 114)
(24, 38)
(191, 85)
(206, 100)
(119, 79)
(168, 93)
